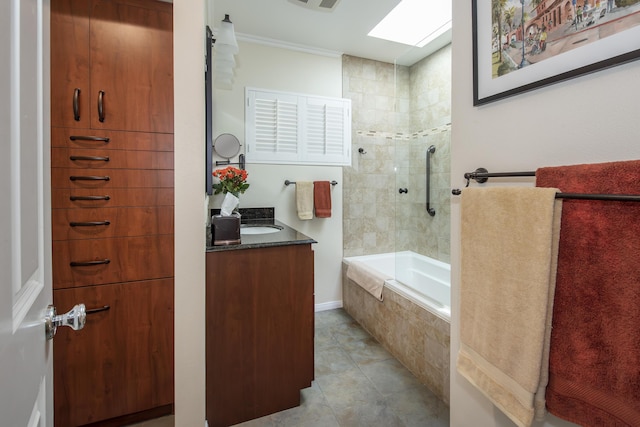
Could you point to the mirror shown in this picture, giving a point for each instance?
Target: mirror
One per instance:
(226, 145)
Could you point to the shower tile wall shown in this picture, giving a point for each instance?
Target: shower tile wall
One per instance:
(368, 197)
(398, 112)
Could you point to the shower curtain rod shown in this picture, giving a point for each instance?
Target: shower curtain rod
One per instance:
(481, 175)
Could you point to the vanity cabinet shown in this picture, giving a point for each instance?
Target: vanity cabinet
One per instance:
(259, 332)
(112, 199)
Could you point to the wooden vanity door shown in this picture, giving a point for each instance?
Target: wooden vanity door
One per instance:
(259, 331)
(70, 91)
(131, 64)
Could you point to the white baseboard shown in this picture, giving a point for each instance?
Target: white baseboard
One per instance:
(328, 305)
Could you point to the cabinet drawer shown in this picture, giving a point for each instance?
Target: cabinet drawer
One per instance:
(111, 222)
(122, 361)
(97, 158)
(110, 178)
(101, 261)
(110, 140)
(62, 198)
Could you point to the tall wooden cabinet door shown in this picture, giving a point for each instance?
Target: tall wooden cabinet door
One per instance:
(70, 92)
(132, 65)
(122, 361)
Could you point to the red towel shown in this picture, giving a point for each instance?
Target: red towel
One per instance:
(594, 361)
(322, 199)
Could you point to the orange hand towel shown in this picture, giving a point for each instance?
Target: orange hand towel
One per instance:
(322, 199)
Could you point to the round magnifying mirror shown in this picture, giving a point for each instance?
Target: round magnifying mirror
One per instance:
(226, 145)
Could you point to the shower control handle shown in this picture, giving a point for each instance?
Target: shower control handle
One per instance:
(403, 190)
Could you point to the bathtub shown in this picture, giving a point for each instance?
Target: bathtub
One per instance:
(413, 320)
(423, 280)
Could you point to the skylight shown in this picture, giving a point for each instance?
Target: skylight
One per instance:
(415, 22)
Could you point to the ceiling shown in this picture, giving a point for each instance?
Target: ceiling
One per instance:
(342, 30)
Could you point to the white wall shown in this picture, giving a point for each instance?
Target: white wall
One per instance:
(286, 70)
(188, 46)
(589, 119)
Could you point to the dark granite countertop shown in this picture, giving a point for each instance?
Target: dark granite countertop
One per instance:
(283, 237)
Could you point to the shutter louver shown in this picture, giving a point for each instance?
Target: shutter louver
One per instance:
(316, 129)
(276, 126)
(325, 130)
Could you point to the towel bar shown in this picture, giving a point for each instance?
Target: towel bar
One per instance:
(481, 175)
(287, 182)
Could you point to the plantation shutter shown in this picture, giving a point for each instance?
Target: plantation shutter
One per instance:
(274, 134)
(325, 129)
(297, 129)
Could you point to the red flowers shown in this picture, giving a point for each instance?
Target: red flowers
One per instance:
(232, 180)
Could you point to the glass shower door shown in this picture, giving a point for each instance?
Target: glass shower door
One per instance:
(423, 124)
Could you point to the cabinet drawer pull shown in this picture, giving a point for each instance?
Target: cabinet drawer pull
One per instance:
(91, 158)
(89, 223)
(97, 310)
(89, 263)
(89, 138)
(76, 105)
(101, 106)
(74, 198)
(89, 178)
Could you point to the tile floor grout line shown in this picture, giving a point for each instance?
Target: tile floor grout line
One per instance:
(333, 412)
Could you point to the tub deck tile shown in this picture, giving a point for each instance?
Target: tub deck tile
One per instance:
(417, 338)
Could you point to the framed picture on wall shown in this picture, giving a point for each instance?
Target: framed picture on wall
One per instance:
(521, 45)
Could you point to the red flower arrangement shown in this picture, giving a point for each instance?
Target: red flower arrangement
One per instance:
(232, 180)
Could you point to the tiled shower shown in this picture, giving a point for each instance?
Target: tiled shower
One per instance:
(398, 112)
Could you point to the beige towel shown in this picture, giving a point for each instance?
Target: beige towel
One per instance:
(369, 279)
(304, 199)
(509, 249)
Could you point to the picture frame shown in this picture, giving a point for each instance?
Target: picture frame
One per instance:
(559, 42)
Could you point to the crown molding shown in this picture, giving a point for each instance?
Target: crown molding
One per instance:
(286, 45)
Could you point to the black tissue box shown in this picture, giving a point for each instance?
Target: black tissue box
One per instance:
(225, 230)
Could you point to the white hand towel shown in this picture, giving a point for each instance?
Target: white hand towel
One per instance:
(304, 199)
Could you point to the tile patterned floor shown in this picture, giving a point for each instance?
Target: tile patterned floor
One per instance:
(358, 383)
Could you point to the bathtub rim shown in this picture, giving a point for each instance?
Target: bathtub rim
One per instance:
(440, 310)
(432, 306)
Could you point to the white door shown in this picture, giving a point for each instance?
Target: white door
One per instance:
(25, 238)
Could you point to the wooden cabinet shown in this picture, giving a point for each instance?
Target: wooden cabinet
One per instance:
(112, 183)
(259, 331)
(112, 64)
(123, 358)
(70, 62)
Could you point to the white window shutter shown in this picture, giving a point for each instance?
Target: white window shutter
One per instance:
(297, 129)
(327, 133)
(274, 129)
